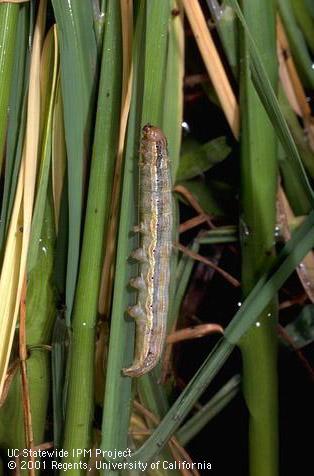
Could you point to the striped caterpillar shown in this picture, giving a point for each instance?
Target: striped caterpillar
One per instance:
(155, 228)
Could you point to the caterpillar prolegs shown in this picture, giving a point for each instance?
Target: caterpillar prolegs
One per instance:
(155, 228)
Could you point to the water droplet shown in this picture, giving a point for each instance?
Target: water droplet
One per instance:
(216, 10)
(269, 314)
(243, 230)
(277, 231)
(239, 304)
(185, 126)
(258, 324)
(84, 323)
(44, 249)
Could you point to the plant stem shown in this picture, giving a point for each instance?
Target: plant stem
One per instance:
(258, 195)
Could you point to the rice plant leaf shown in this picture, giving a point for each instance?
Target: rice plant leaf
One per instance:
(184, 270)
(310, 7)
(9, 15)
(297, 132)
(105, 294)
(203, 416)
(304, 20)
(222, 234)
(58, 153)
(226, 24)
(173, 101)
(297, 196)
(78, 57)
(297, 43)
(201, 158)
(215, 196)
(157, 20)
(301, 331)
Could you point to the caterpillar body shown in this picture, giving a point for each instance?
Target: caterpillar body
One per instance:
(155, 228)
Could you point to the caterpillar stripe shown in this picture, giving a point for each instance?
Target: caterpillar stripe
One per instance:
(155, 228)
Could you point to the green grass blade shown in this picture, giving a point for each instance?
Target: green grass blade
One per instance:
(156, 28)
(305, 21)
(173, 99)
(184, 270)
(200, 158)
(9, 14)
(224, 18)
(297, 132)
(301, 330)
(78, 51)
(297, 43)
(214, 406)
(223, 234)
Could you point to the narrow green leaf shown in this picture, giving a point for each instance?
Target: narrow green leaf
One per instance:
(301, 331)
(304, 20)
(297, 43)
(214, 406)
(226, 24)
(156, 29)
(173, 97)
(78, 52)
(9, 14)
(223, 234)
(298, 134)
(215, 196)
(184, 270)
(201, 158)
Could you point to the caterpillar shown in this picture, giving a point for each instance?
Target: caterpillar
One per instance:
(155, 228)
